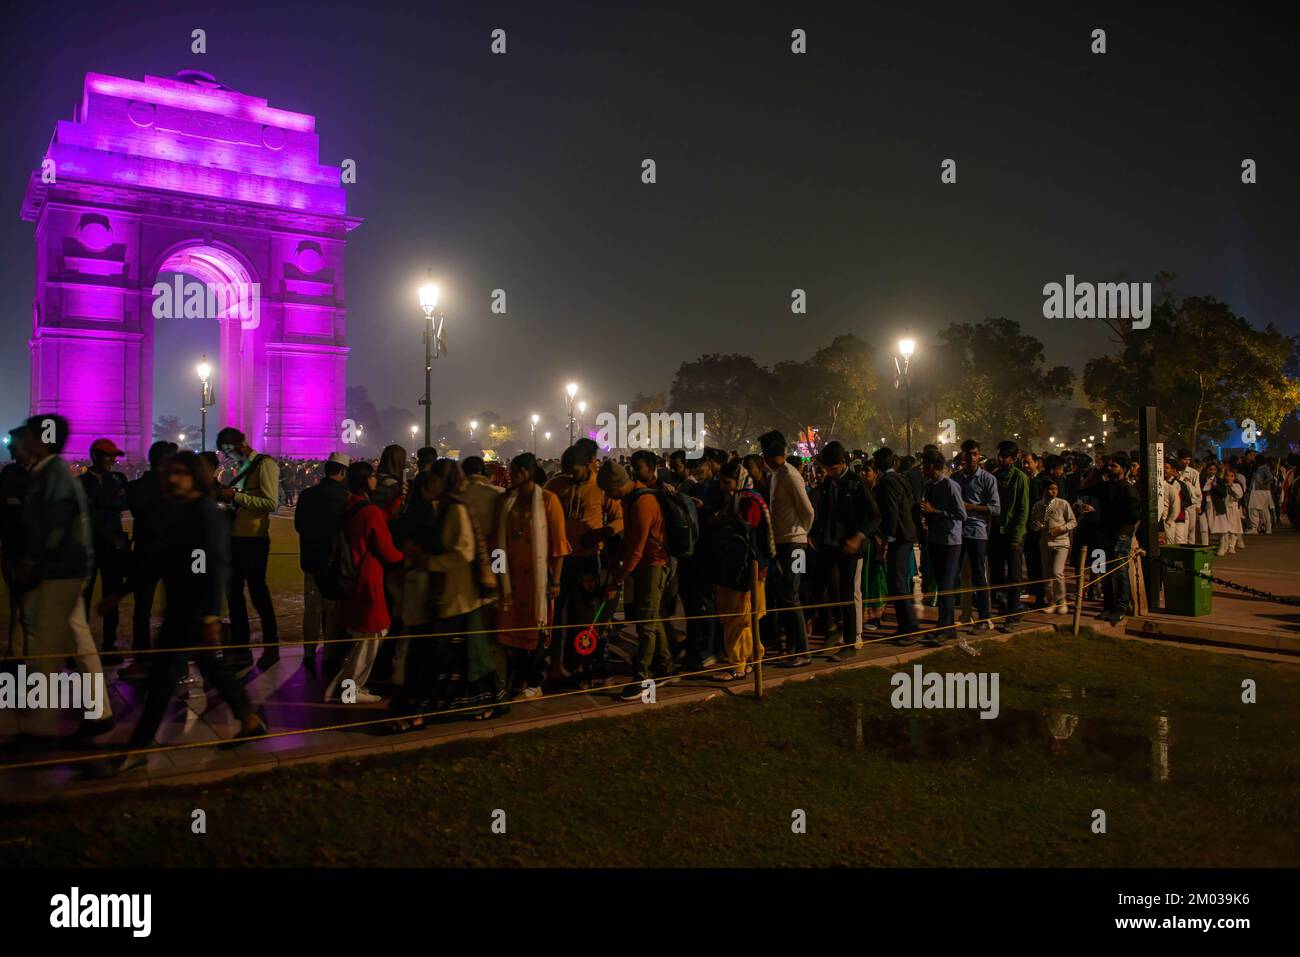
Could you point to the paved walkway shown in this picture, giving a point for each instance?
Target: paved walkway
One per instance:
(291, 700)
(1270, 563)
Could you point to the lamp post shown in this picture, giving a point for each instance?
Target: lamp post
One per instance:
(536, 418)
(205, 399)
(905, 349)
(582, 416)
(473, 425)
(434, 346)
(570, 391)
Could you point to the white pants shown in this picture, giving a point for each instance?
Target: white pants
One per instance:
(359, 662)
(55, 622)
(1054, 571)
(1261, 519)
(1228, 542)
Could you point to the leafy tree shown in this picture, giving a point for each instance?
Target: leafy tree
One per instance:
(1200, 365)
(731, 391)
(833, 392)
(996, 383)
(170, 428)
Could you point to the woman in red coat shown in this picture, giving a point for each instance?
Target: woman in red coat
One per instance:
(364, 612)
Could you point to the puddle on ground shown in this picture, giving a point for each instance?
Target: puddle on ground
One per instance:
(1135, 750)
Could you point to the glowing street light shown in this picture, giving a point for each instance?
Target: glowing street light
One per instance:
(906, 348)
(473, 426)
(434, 346)
(571, 392)
(533, 430)
(205, 399)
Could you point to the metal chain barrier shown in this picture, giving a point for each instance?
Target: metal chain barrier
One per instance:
(1257, 592)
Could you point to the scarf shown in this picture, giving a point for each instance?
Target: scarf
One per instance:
(540, 551)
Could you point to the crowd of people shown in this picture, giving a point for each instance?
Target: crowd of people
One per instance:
(448, 586)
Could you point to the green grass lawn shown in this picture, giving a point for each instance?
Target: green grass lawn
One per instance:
(716, 784)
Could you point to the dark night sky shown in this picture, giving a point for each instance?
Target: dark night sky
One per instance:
(775, 171)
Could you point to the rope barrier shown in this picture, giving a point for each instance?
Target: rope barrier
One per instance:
(483, 708)
(552, 628)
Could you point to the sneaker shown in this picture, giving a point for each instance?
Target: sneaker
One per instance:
(907, 640)
(871, 625)
(1062, 609)
(798, 661)
(631, 691)
(979, 626)
(844, 654)
(533, 692)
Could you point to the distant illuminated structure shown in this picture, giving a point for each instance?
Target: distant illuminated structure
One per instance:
(184, 175)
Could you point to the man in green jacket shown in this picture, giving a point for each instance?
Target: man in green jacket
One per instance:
(1006, 543)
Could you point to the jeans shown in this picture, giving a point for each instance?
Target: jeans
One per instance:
(653, 653)
(248, 558)
(945, 560)
(1005, 562)
(55, 623)
(1114, 588)
(974, 552)
(148, 574)
(898, 576)
(320, 612)
(783, 592)
(109, 568)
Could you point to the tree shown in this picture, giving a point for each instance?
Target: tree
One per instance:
(169, 428)
(834, 392)
(996, 383)
(1200, 365)
(731, 391)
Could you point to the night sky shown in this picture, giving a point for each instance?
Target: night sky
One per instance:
(775, 171)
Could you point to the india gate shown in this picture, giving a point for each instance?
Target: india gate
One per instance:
(185, 176)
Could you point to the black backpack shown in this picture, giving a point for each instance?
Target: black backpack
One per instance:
(681, 520)
(732, 551)
(338, 578)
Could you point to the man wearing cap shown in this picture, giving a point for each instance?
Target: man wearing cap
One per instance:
(645, 561)
(57, 560)
(318, 520)
(106, 492)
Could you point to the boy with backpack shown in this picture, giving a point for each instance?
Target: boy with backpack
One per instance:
(647, 546)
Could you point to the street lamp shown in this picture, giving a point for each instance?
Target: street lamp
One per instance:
(536, 418)
(582, 415)
(415, 429)
(905, 349)
(434, 346)
(571, 391)
(205, 399)
(473, 425)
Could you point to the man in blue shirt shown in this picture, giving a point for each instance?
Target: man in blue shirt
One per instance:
(979, 493)
(943, 515)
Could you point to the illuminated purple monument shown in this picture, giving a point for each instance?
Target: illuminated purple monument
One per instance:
(185, 176)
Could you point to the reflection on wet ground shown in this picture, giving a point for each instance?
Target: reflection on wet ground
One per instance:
(1135, 749)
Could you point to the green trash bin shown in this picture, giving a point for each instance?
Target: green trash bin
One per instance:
(1186, 592)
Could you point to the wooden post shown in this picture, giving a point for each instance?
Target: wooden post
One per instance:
(1136, 586)
(1082, 584)
(756, 642)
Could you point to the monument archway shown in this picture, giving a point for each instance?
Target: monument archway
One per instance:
(184, 176)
